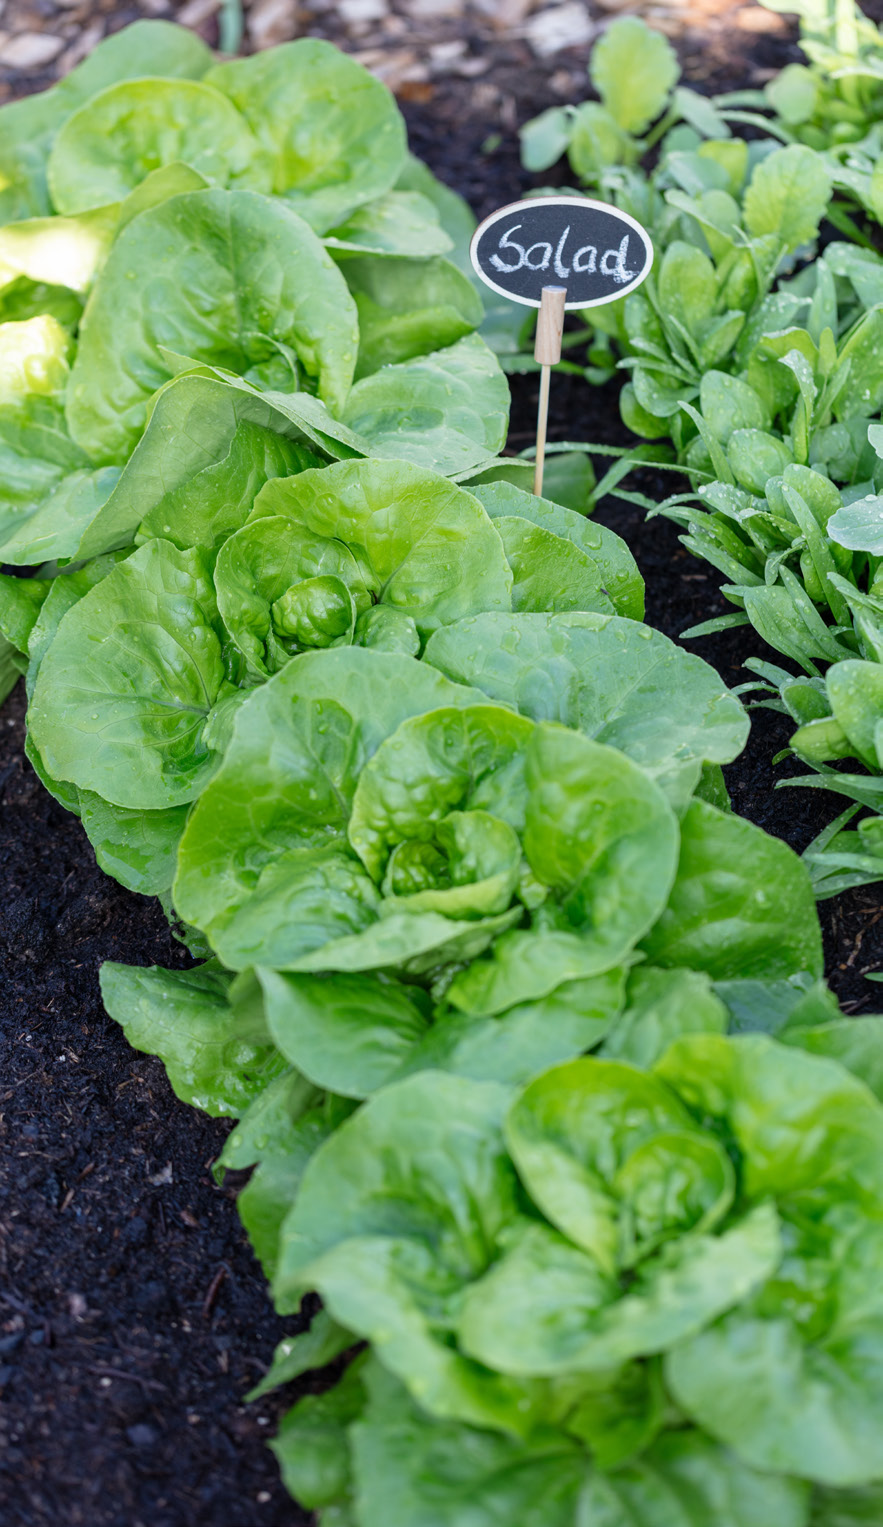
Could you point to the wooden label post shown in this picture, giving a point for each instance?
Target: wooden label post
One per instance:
(547, 351)
(557, 253)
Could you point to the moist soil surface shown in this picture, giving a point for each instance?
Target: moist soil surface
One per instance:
(133, 1317)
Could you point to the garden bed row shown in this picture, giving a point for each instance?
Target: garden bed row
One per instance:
(388, 738)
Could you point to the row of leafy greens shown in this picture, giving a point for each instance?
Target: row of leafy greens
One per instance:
(425, 881)
(518, 1021)
(256, 225)
(756, 358)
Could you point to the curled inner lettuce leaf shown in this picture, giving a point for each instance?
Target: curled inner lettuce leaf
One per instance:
(27, 127)
(281, 589)
(226, 277)
(124, 692)
(468, 819)
(442, 780)
(110, 145)
(820, 1139)
(393, 534)
(615, 1161)
(286, 785)
(694, 1217)
(393, 1257)
(437, 818)
(621, 683)
(331, 132)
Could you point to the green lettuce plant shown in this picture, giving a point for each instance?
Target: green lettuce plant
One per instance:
(442, 822)
(260, 223)
(646, 1228)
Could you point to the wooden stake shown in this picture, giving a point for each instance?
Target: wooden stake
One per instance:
(547, 351)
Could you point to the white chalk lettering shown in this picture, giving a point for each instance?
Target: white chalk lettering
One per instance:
(562, 270)
(511, 256)
(507, 242)
(585, 259)
(543, 262)
(619, 272)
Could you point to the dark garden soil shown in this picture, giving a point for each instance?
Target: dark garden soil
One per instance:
(133, 1317)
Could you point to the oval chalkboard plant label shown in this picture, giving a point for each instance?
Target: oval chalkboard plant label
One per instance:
(596, 252)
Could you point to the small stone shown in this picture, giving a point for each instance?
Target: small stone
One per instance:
(485, 98)
(567, 26)
(354, 12)
(433, 10)
(445, 52)
(271, 22)
(142, 1435)
(564, 83)
(195, 12)
(134, 1232)
(82, 45)
(470, 68)
(504, 14)
(395, 66)
(747, 20)
(31, 50)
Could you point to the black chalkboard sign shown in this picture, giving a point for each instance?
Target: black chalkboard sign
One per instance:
(595, 251)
